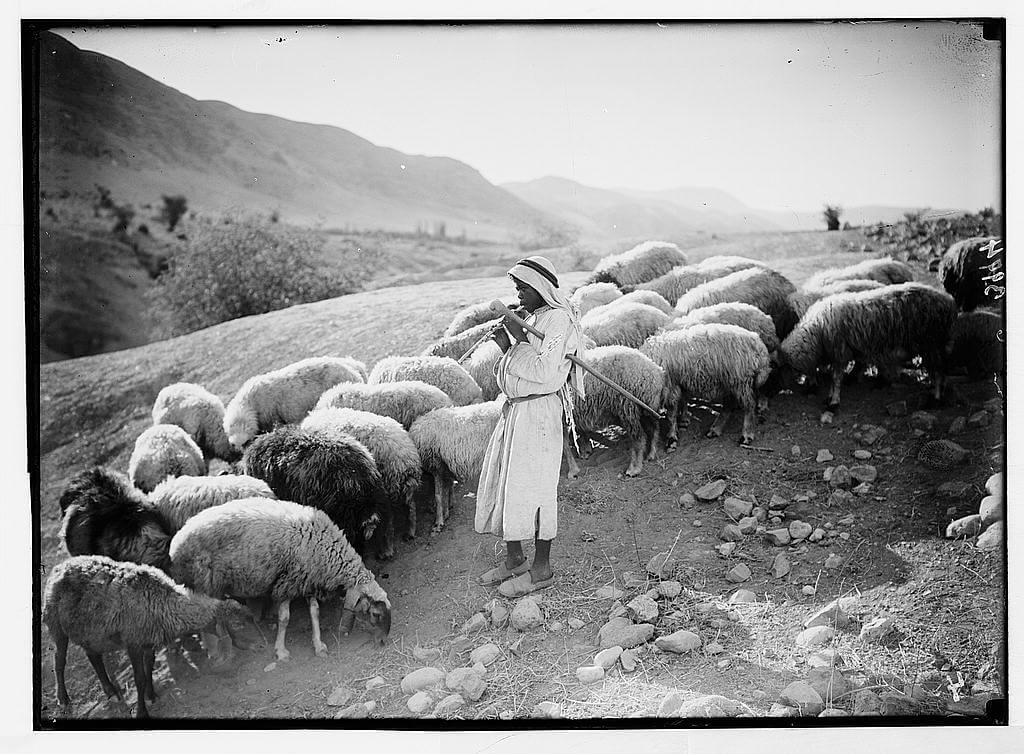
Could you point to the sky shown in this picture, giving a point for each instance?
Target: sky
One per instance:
(781, 115)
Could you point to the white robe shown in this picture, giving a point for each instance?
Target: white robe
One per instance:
(520, 468)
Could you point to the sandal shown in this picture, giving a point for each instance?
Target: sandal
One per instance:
(522, 585)
(500, 573)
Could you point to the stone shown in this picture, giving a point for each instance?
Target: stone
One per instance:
(781, 566)
(624, 633)
(609, 592)
(674, 705)
(992, 537)
(941, 454)
(555, 626)
(376, 682)
(824, 455)
(866, 702)
(958, 425)
(670, 589)
(896, 408)
(714, 648)
(747, 525)
(480, 668)
(731, 533)
(466, 681)
(449, 705)
(548, 710)
(808, 590)
(356, 711)
(497, 612)
(339, 697)
(802, 695)
(815, 636)
(875, 630)
(738, 574)
(825, 658)
(778, 537)
(995, 484)
(979, 419)
(607, 658)
(862, 455)
(864, 473)
(711, 490)
(419, 702)
(827, 417)
(589, 674)
(476, 622)
(923, 420)
(840, 477)
(830, 615)
(816, 536)
(485, 654)
(833, 712)
(462, 644)
(741, 596)
(840, 498)
(760, 514)
(778, 502)
(736, 508)
(659, 565)
(782, 710)
(828, 682)
(991, 509)
(422, 678)
(833, 561)
(527, 614)
(617, 610)
(628, 660)
(425, 654)
(576, 624)
(799, 530)
(795, 451)
(968, 526)
(687, 500)
(679, 642)
(726, 549)
(642, 609)
(864, 488)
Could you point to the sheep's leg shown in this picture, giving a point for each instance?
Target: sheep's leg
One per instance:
(60, 659)
(718, 426)
(636, 454)
(410, 506)
(138, 657)
(386, 535)
(109, 687)
(748, 402)
(572, 468)
(440, 490)
(283, 613)
(650, 431)
(672, 400)
(314, 620)
(837, 382)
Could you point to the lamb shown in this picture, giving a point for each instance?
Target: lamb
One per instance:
(885, 270)
(254, 548)
(161, 451)
(444, 373)
(760, 286)
(733, 313)
(392, 449)
(640, 264)
(284, 396)
(101, 605)
(181, 498)
(602, 406)
(404, 401)
(103, 514)
(801, 300)
(455, 346)
(451, 443)
(471, 316)
(876, 326)
(627, 324)
(593, 295)
(480, 365)
(323, 470)
(679, 280)
(714, 362)
(977, 343)
(200, 413)
(973, 272)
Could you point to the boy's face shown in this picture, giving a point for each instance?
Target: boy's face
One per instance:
(529, 299)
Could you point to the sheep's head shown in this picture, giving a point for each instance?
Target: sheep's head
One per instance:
(240, 426)
(370, 526)
(372, 604)
(240, 624)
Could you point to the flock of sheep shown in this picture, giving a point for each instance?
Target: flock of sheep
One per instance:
(324, 454)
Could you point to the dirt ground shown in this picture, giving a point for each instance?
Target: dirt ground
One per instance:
(947, 597)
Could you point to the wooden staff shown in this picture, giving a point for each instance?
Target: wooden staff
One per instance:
(500, 308)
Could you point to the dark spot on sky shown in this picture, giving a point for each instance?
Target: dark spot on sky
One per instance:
(789, 61)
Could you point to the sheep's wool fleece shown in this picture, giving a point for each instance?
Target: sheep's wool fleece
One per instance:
(520, 468)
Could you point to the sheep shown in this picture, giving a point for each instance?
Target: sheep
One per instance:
(977, 343)
(651, 298)
(284, 396)
(254, 548)
(451, 442)
(714, 362)
(103, 514)
(743, 315)
(323, 470)
(973, 272)
(801, 300)
(679, 280)
(181, 498)
(392, 449)
(471, 316)
(593, 295)
(404, 401)
(760, 286)
(900, 320)
(101, 605)
(885, 270)
(456, 346)
(602, 406)
(643, 262)
(481, 364)
(200, 413)
(161, 451)
(628, 324)
(441, 372)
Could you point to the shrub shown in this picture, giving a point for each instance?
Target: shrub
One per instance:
(173, 210)
(831, 214)
(237, 265)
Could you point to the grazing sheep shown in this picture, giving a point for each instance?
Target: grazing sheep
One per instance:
(441, 372)
(471, 316)
(323, 470)
(102, 605)
(181, 498)
(284, 396)
(886, 270)
(103, 514)
(871, 327)
(643, 262)
(200, 413)
(743, 315)
(679, 280)
(451, 443)
(716, 363)
(801, 300)
(254, 548)
(161, 451)
(593, 295)
(759, 286)
(602, 406)
(627, 324)
(456, 346)
(403, 401)
(651, 298)
(977, 343)
(392, 449)
(973, 272)
(481, 364)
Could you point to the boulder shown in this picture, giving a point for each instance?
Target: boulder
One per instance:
(824, 455)
(476, 622)
(992, 537)
(497, 612)
(422, 678)
(830, 615)
(738, 573)
(589, 674)
(833, 561)
(425, 654)
(781, 566)
(802, 695)
(674, 705)
(642, 609)
(678, 642)
(864, 473)
(736, 508)
(731, 533)
(449, 705)
(339, 697)
(778, 537)
(994, 484)
(527, 614)
(747, 525)
(941, 454)
(628, 660)
(828, 682)
(877, 629)
(742, 596)
(866, 702)
(726, 549)
(783, 710)
(609, 592)
(607, 658)
(624, 633)
(815, 636)
(840, 477)
(968, 526)
(799, 530)
(356, 711)
(711, 490)
(466, 681)
(659, 565)
(991, 510)
(548, 710)
(670, 589)
(419, 702)
(861, 455)
(825, 658)
(833, 712)
(485, 654)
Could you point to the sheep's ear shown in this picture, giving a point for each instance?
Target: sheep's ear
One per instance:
(370, 526)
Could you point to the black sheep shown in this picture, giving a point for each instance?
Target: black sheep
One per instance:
(973, 272)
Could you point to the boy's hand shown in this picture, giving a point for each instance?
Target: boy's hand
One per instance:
(501, 338)
(514, 327)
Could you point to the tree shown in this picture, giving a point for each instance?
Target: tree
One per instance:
(831, 214)
(173, 210)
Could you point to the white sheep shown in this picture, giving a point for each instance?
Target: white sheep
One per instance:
(161, 451)
(284, 396)
(254, 548)
(762, 287)
(651, 298)
(471, 316)
(481, 365)
(626, 324)
(885, 270)
(404, 401)
(451, 443)
(442, 372)
(733, 313)
(801, 300)
(456, 346)
(593, 295)
(200, 413)
(183, 497)
(679, 280)
(643, 262)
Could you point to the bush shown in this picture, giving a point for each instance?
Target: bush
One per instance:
(237, 266)
(173, 210)
(831, 214)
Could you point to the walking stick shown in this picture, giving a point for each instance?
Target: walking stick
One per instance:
(500, 308)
